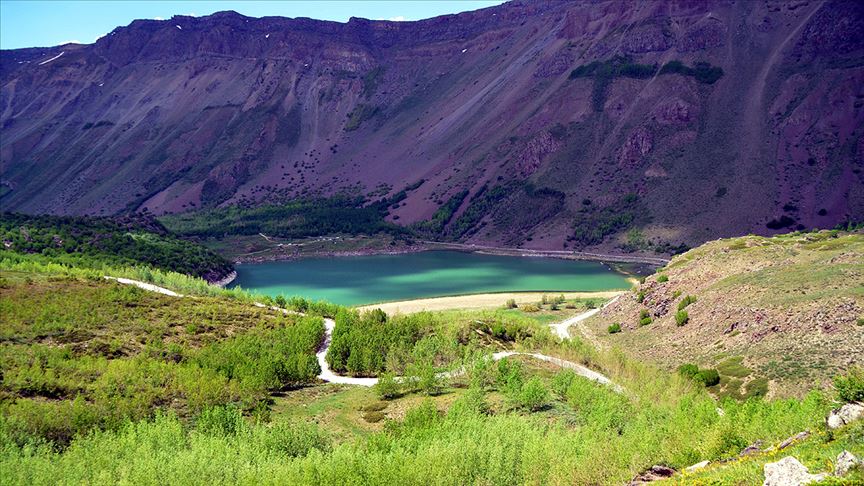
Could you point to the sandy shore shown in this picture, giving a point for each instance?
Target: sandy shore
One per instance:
(480, 301)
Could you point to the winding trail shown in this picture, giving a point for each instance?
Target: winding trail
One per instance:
(562, 329)
(328, 375)
(329, 324)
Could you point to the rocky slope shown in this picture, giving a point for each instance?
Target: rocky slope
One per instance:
(484, 107)
(771, 314)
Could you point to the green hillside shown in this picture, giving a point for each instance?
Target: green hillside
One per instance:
(774, 315)
(105, 383)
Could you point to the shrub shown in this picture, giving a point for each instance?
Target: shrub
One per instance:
(387, 387)
(614, 328)
(220, 421)
(511, 304)
(561, 382)
(544, 300)
(640, 296)
(686, 301)
(473, 402)
(850, 387)
(688, 370)
(509, 375)
(530, 308)
(533, 396)
(280, 301)
(422, 416)
(681, 318)
(709, 377)
(644, 318)
(663, 278)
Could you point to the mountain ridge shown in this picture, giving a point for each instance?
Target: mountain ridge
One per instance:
(170, 116)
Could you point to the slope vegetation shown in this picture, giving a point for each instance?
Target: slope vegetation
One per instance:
(771, 315)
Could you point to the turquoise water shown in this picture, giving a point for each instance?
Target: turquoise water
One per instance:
(381, 278)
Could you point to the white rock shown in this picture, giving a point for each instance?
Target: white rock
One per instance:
(845, 462)
(845, 415)
(789, 472)
(697, 466)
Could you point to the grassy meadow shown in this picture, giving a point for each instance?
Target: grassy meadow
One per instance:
(106, 383)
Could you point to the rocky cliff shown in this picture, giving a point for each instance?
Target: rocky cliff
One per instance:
(637, 125)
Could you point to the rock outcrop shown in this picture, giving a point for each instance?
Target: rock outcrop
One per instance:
(789, 472)
(845, 415)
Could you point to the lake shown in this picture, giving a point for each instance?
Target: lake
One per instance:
(370, 279)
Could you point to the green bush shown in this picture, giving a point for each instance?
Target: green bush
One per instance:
(688, 370)
(387, 387)
(850, 387)
(614, 328)
(645, 317)
(562, 380)
(530, 308)
(662, 278)
(686, 301)
(640, 296)
(681, 318)
(532, 396)
(511, 304)
(220, 421)
(709, 377)
(473, 402)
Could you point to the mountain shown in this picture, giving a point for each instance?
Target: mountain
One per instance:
(540, 124)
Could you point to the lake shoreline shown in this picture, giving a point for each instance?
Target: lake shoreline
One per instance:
(374, 279)
(485, 300)
(463, 248)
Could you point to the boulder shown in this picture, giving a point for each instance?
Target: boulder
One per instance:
(655, 473)
(845, 462)
(789, 472)
(753, 448)
(845, 415)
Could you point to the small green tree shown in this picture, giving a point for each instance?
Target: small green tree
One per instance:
(387, 387)
(533, 395)
(681, 318)
(850, 387)
(614, 328)
(280, 301)
(663, 278)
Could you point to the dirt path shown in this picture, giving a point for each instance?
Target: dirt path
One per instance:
(329, 324)
(145, 286)
(479, 301)
(562, 329)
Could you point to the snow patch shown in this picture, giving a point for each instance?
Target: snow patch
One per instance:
(101, 84)
(49, 60)
(463, 51)
(181, 28)
(267, 36)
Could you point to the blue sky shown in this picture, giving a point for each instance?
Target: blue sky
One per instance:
(39, 23)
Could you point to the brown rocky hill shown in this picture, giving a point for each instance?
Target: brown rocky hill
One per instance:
(771, 314)
(546, 124)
